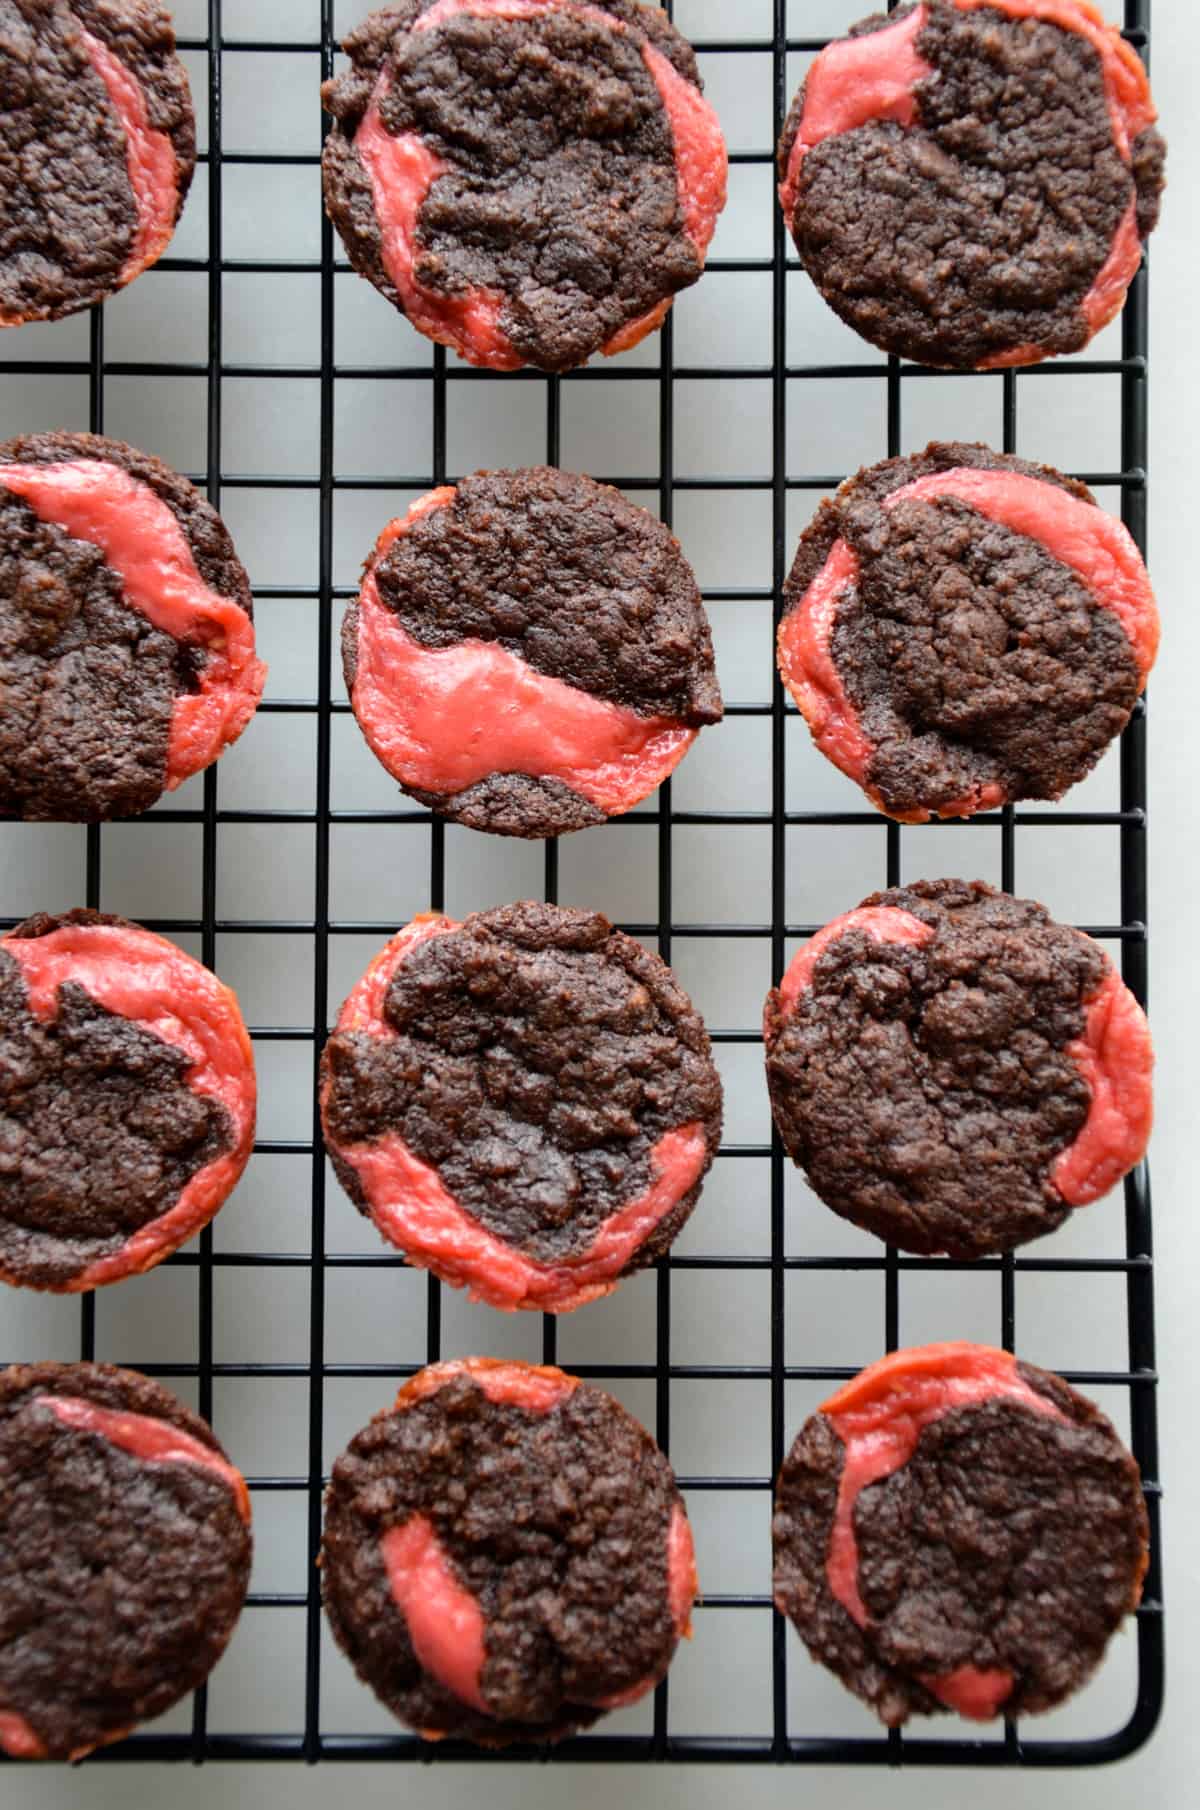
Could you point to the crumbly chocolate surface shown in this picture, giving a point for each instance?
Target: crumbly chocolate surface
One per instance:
(99, 1132)
(89, 683)
(539, 1056)
(1008, 1541)
(561, 190)
(981, 228)
(68, 217)
(582, 585)
(515, 804)
(557, 1525)
(120, 1580)
(970, 653)
(926, 1090)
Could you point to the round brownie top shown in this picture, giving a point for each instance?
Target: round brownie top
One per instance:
(977, 224)
(124, 1555)
(979, 666)
(72, 227)
(104, 1126)
(547, 162)
(506, 1554)
(956, 1530)
(90, 682)
(578, 586)
(927, 1085)
(535, 1059)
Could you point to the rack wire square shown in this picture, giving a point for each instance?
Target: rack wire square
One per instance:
(255, 360)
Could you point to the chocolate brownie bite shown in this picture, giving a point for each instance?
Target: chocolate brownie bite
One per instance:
(954, 1071)
(97, 149)
(955, 1530)
(969, 182)
(506, 1554)
(530, 184)
(529, 653)
(127, 1100)
(963, 629)
(525, 1103)
(127, 654)
(124, 1555)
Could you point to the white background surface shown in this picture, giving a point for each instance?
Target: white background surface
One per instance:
(1069, 421)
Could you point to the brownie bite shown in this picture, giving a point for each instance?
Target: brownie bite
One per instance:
(506, 1554)
(957, 1530)
(956, 1072)
(529, 653)
(530, 185)
(124, 1555)
(127, 651)
(963, 629)
(127, 1100)
(97, 150)
(525, 1103)
(969, 182)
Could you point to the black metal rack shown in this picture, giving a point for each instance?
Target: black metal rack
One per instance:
(310, 1742)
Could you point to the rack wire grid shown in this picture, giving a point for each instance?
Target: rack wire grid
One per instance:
(288, 1324)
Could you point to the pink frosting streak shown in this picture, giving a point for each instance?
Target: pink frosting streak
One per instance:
(149, 157)
(441, 719)
(807, 666)
(879, 1417)
(682, 1580)
(702, 165)
(148, 980)
(153, 1441)
(883, 923)
(808, 669)
(414, 1211)
(144, 545)
(445, 1622)
(363, 1010)
(852, 82)
(682, 1585)
(1116, 1059)
(1098, 548)
(976, 1692)
(403, 169)
(1106, 297)
(537, 1388)
(18, 1739)
(701, 161)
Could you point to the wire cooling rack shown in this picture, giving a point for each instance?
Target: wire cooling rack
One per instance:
(282, 1298)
